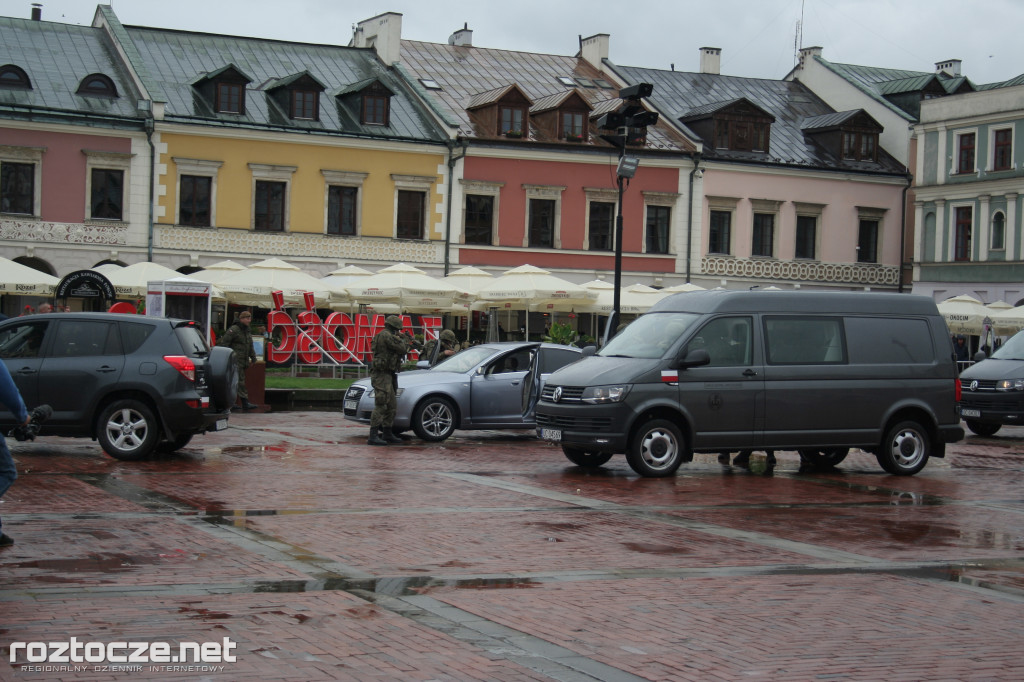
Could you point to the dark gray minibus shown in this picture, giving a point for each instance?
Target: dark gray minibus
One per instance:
(720, 371)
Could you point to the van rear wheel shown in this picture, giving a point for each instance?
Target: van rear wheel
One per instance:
(656, 449)
(823, 458)
(906, 449)
(585, 458)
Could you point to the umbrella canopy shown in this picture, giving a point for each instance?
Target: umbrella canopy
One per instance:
(688, 286)
(635, 299)
(16, 278)
(217, 271)
(408, 287)
(253, 286)
(337, 280)
(132, 281)
(1008, 321)
(530, 286)
(965, 315)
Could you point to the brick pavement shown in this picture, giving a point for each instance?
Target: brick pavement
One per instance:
(490, 557)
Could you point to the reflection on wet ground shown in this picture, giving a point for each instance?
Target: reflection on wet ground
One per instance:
(273, 528)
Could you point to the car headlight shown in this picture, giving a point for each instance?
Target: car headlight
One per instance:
(1010, 385)
(605, 394)
(398, 393)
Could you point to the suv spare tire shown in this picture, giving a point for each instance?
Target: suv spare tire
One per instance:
(222, 377)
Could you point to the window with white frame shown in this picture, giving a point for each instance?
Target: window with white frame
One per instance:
(600, 219)
(197, 192)
(966, 152)
(21, 179)
(106, 185)
(1002, 149)
(963, 229)
(412, 194)
(658, 221)
(343, 205)
(543, 216)
(997, 234)
(271, 190)
(481, 212)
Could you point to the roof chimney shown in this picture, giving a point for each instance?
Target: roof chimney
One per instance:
(594, 49)
(711, 60)
(807, 52)
(951, 67)
(461, 38)
(37, 11)
(383, 33)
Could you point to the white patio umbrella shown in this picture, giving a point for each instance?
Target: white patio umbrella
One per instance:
(525, 286)
(16, 278)
(965, 315)
(996, 309)
(678, 288)
(132, 281)
(1008, 321)
(218, 270)
(408, 287)
(337, 280)
(253, 286)
(635, 299)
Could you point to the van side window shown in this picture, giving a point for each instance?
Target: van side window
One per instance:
(795, 340)
(889, 341)
(727, 341)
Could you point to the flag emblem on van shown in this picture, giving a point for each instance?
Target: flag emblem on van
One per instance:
(669, 376)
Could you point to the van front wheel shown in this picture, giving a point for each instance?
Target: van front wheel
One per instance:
(657, 449)
(585, 458)
(905, 449)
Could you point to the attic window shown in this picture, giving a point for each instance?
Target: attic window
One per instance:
(585, 82)
(603, 84)
(230, 98)
(305, 104)
(98, 85)
(860, 145)
(741, 134)
(565, 80)
(12, 76)
(430, 84)
(511, 121)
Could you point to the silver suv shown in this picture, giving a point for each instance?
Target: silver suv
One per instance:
(136, 384)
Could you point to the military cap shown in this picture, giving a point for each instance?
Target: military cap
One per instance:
(393, 322)
(449, 336)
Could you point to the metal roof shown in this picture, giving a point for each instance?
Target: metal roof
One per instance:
(56, 57)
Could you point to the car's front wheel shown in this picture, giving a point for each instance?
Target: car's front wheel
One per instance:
(434, 419)
(585, 458)
(982, 428)
(905, 450)
(656, 449)
(128, 430)
(823, 459)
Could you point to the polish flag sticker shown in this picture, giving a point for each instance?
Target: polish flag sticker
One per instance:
(669, 376)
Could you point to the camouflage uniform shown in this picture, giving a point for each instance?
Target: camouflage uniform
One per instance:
(448, 343)
(389, 349)
(239, 339)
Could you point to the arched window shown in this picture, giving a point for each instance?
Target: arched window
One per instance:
(12, 76)
(998, 231)
(97, 84)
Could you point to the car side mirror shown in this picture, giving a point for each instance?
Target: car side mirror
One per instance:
(979, 356)
(694, 358)
(588, 351)
(423, 364)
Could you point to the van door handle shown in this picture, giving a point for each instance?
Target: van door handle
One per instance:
(106, 368)
(749, 373)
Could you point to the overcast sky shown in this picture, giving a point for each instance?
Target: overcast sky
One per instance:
(757, 37)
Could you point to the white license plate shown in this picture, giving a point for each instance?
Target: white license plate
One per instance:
(351, 404)
(220, 425)
(551, 434)
(970, 413)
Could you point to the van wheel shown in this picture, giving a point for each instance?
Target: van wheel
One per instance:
(657, 449)
(823, 459)
(905, 449)
(584, 458)
(127, 430)
(982, 428)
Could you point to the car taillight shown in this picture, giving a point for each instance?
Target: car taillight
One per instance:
(183, 365)
(959, 390)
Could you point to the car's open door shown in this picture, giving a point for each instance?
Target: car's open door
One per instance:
(531, 384)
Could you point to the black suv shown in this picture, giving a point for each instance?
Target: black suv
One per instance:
(136, 384)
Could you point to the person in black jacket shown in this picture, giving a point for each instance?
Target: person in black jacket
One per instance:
(239, 339)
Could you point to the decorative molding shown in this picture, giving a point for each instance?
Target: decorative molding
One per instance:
(836, 273)
(228, 243)
(64, 233)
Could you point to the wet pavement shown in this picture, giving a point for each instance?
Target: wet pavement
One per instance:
(491, 557)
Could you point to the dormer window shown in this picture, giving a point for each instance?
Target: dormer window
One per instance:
(297, 94)
(736, 125)
(14, 77)
(852, 135)
(860, 145)
(739, 135)
(221, 91)
(574, 125)
(98, 85)
(305, 104)
(375, 109)
(510, 121)
(230, 98)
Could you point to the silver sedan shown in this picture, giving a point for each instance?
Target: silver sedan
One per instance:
(480, 387)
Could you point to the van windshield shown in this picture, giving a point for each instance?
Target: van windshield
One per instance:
(1012, 349)
(649, 336)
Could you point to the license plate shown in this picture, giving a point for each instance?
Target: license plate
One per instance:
(970, 413)
(220, 425)
(351, 404)
(551, 434)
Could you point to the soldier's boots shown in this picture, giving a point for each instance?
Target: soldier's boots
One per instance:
(375, 438)
(390, 437)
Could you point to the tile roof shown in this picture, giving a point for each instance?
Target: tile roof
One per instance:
(56, 57)
(176, 59)
(469, 76)
(684, 95)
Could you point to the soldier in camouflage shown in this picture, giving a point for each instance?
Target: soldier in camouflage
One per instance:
(449, 346)
(389, 349)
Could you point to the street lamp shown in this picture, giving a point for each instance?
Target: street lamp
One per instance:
(630, 126)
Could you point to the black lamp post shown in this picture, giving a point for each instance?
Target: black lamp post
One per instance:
(630, 126)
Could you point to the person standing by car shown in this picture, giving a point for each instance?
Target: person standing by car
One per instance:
(239, 339)
(11, 399)
(389, 349)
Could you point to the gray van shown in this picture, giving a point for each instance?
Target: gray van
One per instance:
(721, 371)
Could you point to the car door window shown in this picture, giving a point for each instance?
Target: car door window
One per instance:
(727, 341)
(556, 358)
(22, 340)
(79, 338)
(513, 362)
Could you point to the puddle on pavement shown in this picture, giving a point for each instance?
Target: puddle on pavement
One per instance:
(112, 563)
(652, 548)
